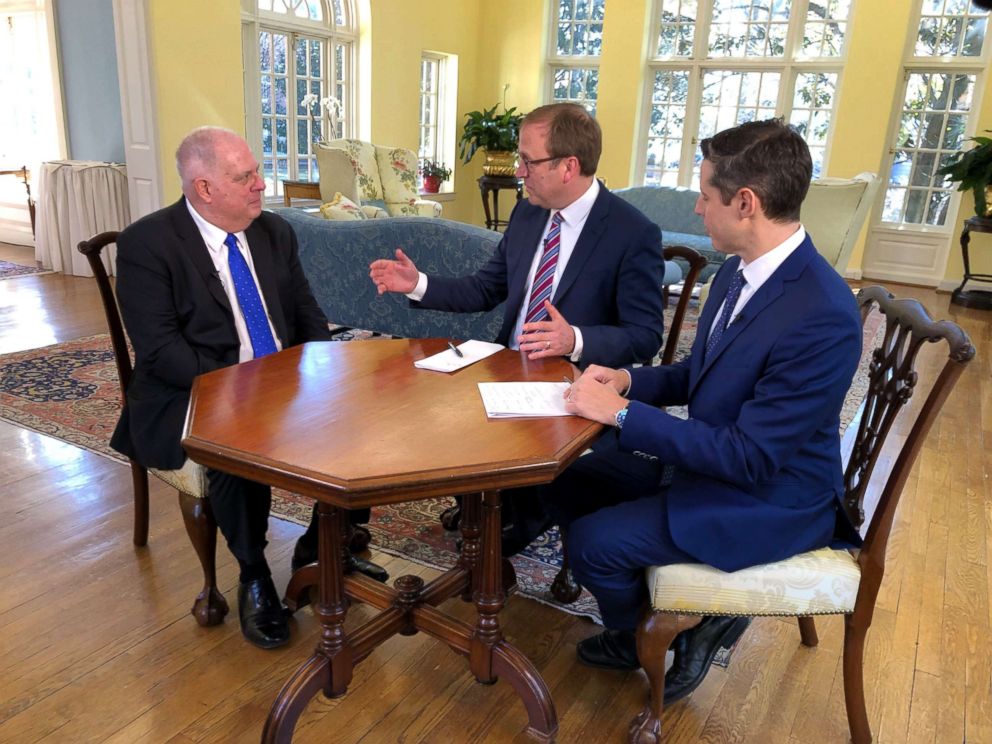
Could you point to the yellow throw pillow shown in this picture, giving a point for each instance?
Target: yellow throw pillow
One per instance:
(340, 207)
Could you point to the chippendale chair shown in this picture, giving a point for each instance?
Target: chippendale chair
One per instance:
(825, 581)
(210, 606)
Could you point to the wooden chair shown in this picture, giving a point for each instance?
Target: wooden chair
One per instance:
(825, 581)
(565, 588)
(210, 606)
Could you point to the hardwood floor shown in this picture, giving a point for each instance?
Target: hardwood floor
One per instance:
(97, 643)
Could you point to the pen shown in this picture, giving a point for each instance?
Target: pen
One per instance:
(568, 393)
(458, 352)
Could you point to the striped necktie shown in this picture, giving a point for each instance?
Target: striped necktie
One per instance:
(256, 320)
(545, 276)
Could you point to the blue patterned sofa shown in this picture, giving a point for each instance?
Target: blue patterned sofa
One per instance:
(336, 256)
(673, 210)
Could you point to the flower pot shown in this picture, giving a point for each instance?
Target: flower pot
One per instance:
(988, 201)
(500, 163)
(432, 184)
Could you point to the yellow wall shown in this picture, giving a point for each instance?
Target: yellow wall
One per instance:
(198, 76)
(196, 69)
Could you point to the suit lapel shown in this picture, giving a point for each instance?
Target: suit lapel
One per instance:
(261, 256)
(198, 253)
(586, 244)
(767, 293)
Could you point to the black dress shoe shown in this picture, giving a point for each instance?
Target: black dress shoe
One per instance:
(370, 569)
(694, 652)
(303, 555)
(262, 619)
(611, 649)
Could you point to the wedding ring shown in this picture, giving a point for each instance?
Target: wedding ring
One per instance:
(547, 345)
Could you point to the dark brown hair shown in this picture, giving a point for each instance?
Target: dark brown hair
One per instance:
(572, 131)
(769, 157)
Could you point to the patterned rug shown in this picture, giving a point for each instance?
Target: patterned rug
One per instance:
(10, 270)
(69, 391)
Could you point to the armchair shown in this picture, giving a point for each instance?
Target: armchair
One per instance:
(382, 180)
(833, 213)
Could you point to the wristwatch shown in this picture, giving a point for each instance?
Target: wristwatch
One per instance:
(621, 417)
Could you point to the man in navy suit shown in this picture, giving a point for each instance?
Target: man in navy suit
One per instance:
(176, 278)
(757, 463)
(603, 305)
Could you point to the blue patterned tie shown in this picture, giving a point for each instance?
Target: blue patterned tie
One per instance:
(256, 320)
(733, 294)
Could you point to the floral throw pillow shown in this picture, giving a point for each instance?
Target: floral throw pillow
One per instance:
(341, 208)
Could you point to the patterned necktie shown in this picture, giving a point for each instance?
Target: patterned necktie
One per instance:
(545, 276)
(256, 320)
(733, 294)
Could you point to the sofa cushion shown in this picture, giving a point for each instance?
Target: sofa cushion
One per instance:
(336, 255)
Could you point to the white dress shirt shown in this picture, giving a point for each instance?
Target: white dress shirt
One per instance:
(214, 238)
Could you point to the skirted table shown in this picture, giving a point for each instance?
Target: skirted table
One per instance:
(76, 200)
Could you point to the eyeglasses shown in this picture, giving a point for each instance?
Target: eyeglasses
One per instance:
(527, 163)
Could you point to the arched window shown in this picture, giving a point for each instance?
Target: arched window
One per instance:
(300, 61)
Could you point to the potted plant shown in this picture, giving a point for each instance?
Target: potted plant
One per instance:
(434, 174)
(972, 169)
(496, 133)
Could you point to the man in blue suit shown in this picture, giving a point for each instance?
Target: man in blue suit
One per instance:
(757, 463)
(597, 260)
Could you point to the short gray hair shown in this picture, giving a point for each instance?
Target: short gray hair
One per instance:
(198, 151)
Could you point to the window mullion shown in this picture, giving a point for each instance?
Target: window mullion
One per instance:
(690, 143)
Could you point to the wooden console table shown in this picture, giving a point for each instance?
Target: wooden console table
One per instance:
(490, 187)
(356, 424)
(25, 175)
(299, 190)
(977, 298)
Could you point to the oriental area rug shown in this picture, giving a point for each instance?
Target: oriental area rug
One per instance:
(9, 270)
(70, 391)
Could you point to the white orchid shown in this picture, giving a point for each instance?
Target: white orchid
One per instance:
(308, 101)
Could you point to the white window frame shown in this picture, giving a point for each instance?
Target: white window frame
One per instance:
(556, 61)
(253, 21)
(789, 66)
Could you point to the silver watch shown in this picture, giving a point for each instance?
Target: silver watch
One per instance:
(621, 417)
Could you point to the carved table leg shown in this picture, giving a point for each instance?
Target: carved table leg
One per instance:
(469, 558)
(330, 668)
(489, 655)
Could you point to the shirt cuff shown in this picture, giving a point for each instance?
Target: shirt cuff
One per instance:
(576, 354)
(630, 381)
(421, 289)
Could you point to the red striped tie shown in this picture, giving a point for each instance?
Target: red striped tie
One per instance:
(545, 276)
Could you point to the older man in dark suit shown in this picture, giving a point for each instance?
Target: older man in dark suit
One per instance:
(188, 281)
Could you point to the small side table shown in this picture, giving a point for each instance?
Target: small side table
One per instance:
(491, 185)
(299, 190)
(976, 298)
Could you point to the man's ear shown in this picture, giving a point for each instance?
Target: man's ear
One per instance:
(202, 187)
(572, 168)
(749, 205)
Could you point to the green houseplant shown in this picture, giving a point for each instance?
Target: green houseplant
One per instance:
(496, 133)
(434, 173)
(972, 169)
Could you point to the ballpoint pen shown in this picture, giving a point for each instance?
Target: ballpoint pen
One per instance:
(458, 352)
(568, 393)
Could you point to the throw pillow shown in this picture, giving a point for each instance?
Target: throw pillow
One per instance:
(341, 207)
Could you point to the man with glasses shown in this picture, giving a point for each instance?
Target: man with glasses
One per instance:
(579, 270)
(596, 260)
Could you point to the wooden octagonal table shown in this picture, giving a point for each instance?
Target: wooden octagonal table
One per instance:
(356, 424)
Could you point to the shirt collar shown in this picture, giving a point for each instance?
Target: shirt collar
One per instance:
(213, 236)
(757, 272)
(578, 210)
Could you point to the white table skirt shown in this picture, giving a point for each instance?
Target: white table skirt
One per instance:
(76, 200)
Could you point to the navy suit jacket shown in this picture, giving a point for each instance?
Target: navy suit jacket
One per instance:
(181, 324)
(758, 465)
(610, 289)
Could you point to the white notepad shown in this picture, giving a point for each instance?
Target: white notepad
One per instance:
(449, 361)
(517, 399)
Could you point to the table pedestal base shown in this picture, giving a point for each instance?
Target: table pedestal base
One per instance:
(976, 298)
(409, 608)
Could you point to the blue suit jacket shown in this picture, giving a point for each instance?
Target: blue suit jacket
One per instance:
(758, 461)
(610, 289)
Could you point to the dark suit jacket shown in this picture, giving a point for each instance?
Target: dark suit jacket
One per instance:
(758, 461)
(180, 322)
(610, 289)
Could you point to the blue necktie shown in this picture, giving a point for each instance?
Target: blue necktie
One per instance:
(737, 283)
(256, 320)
